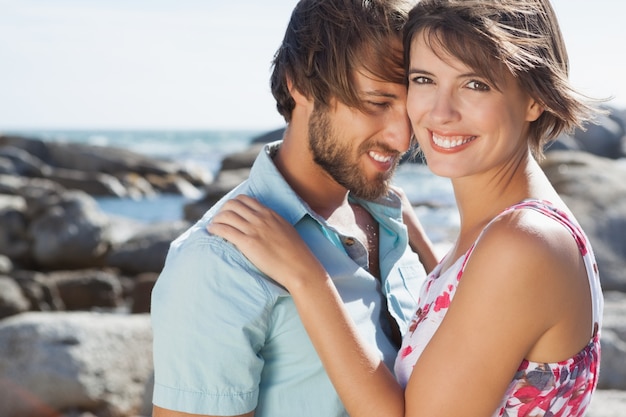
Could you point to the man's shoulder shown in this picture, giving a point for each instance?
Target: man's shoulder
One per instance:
(200, 255)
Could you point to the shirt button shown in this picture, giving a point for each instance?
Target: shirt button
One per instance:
(349, 241)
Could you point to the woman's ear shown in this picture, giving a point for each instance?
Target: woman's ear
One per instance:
(534, 111)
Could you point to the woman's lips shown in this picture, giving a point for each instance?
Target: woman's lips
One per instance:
(452, 141)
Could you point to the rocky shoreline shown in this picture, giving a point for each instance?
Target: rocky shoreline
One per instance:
(75, 283)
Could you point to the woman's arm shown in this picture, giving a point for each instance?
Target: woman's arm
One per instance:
(502, 311)
(365, 385)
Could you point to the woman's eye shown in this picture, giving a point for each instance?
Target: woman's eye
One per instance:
(478, 86)
(419, 79)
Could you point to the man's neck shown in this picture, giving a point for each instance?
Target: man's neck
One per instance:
(318, 189)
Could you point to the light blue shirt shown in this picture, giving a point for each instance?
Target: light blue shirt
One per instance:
(228, 340)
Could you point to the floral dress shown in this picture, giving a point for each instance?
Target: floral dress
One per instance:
(537, 389)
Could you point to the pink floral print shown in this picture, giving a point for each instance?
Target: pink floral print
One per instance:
(560, 389)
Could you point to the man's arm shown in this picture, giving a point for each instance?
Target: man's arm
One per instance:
(205, 304)
(418, 240)
(162, 412)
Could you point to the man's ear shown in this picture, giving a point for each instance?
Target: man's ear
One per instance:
(297, 96)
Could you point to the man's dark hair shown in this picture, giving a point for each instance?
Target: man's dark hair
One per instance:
(326, 41)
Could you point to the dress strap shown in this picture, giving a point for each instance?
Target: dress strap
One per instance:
(549, 210)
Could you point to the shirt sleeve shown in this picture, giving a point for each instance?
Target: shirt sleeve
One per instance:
(210, 314)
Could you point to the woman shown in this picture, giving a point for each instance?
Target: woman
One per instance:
(508, 322)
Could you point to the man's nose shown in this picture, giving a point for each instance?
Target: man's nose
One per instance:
(397, 132)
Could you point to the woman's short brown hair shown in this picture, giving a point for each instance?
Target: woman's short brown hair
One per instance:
(521, 36)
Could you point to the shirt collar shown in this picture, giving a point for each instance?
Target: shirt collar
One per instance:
(272, 190)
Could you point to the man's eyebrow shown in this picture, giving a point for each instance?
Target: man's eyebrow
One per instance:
(379, 94)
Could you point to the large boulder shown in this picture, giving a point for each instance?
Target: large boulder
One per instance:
(12, 299)
(71, 234)
(607, 403)
(595, 191)
(613, 365)
(99, 170)
(88, 288)
(52, 363)
(225, 181)
(146, 250)
(13, 227)
(606, 137)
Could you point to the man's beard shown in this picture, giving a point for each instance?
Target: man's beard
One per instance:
(341, 163)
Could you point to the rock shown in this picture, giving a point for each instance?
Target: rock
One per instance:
(613, 339)
(268, 137)
(172, 184)
(72, 234)
(93, 183)
(97, 170)
(123, 229)
(142, 292)
(22, 163)
(86, 289)
(12, 300)
(38, 193)
(224, 183)
(6, 265)
(41, 292)
(13, 227)
(92, 362)
(145, 251)
(243, 159)
(607, 403)
(604, 138)
(89, 158)
(595, 191)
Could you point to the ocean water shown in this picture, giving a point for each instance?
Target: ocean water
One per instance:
(431, 195)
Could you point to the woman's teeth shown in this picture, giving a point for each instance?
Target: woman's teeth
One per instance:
(451, 141)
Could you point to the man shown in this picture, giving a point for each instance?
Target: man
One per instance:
(227, 340)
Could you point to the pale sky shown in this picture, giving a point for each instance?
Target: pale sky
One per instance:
(202, 64)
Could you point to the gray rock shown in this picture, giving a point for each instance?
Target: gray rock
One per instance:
(13, 227)
(100, 170)
(72, 234)
(602, 139)
(607, 403)
(243, 159)
(271, 136)
(93, 183)
(88, 288)
(225, 181)
(12, 300)
(595, 191)
(23, 163)
(146, 250)
(613, 340)
(42, 292)
(98, 363)
(605, 138)
(5, 265)
(142, 292)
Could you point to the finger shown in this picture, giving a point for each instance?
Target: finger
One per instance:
(223, 230)
(243, 220)
(255, 212)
